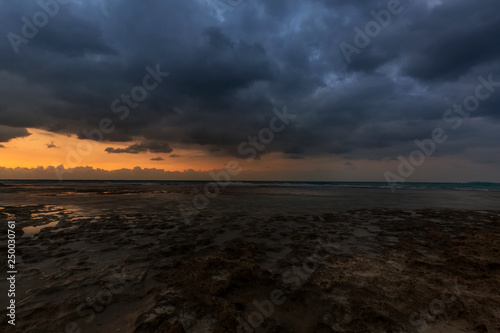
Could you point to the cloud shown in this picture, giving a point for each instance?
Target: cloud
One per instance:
(8, 133)
(452, 172)
(133, 149)
(51, 145)
(153, 147)
(226, 77)
(159, 158)
(174, 156)
(2, 146)
(294, 157)
(88, 172)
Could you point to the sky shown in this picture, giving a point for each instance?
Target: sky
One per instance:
(339, 90)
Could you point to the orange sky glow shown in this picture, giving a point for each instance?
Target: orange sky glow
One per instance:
(37, 150)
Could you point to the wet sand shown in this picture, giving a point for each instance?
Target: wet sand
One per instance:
(123, 259)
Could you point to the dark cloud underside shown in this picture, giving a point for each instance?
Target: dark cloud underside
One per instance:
(225, 77)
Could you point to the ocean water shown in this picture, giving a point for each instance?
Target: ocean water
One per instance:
(470, 186)
(246, 198)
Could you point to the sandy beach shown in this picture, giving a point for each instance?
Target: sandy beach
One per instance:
(122, 258)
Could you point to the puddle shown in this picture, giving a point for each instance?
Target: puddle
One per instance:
(31, 231)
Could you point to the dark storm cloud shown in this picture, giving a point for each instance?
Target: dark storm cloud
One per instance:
(226, 77)
(7, 133)
(458, 47)
(134, 149)
(153, 147)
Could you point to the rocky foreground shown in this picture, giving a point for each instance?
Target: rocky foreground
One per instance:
(368, 270)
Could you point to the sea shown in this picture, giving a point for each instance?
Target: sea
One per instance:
(469, 186)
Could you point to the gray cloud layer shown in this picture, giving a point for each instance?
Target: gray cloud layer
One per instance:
(7, 133)
(225, 77)
(153, 147)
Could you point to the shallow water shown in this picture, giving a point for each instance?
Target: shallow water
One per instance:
(31, 231)
(244, 200)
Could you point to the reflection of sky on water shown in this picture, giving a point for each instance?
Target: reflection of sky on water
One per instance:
(31, 231)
